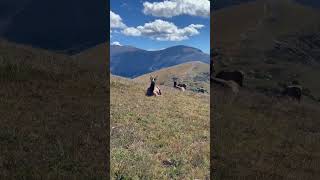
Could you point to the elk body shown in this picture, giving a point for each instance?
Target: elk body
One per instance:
(153, 89)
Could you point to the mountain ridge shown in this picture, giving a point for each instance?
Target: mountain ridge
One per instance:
(133, 62)
(57, 25)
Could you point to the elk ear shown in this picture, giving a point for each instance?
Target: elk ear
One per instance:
(156, 77)
(151, 78)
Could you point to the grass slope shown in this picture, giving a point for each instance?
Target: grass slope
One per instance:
(88, 58)
(52, 123)
(260, 137)
(195, 74)
(248, 24)
(250, 45)
(257, 135)
(163, 137)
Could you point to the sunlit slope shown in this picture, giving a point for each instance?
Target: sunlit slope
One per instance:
(195, 74)
(158, 137)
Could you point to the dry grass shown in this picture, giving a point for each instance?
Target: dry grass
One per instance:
(195, 74)
(260, 137)
(53, 111)
(163, 137)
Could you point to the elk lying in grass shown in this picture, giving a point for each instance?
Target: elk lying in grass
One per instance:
(293, 91)
(181, 87)
(153, 89)
(236, 76)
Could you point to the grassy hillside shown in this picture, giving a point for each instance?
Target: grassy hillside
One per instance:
(52, 123)
(195, 74)
(260, 137)
(163, 137)
(249, 24)
(93, 59)
(257, 134)
(252, 45)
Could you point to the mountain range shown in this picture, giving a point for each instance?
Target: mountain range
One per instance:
(68, 26)
(128, 61)
(218, 4)
(313, 3)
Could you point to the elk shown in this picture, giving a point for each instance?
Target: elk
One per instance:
(153, 89)
(236, 76)
(181, 87)
(293, 91)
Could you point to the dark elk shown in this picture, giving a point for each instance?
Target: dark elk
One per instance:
(293, 91)
(153, 89)
(181, 87)
(236, 76)
(201, 90)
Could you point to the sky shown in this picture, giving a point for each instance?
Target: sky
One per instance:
(158, 24)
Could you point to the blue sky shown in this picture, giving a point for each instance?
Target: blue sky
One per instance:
(155, 24)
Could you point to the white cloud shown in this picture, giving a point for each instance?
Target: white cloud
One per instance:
(131, 31)
(170, 8)
(116, 43)
(116, 21)
(163, 31)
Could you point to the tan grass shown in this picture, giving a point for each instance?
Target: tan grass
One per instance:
(260, 137)
(149, 130)
(53, 111)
